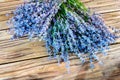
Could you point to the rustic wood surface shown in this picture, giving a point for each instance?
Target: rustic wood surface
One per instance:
(28, 60)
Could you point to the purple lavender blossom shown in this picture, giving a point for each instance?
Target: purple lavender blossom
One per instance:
(72, 34)
(32, 19)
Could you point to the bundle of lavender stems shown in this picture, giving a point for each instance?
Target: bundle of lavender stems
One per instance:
(66, 26)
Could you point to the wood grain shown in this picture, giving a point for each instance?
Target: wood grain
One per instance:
(27, 60)
(42, 68)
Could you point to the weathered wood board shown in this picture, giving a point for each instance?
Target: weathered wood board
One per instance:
(28, 60)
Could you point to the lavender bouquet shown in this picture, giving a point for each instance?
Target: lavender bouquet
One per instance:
(66, 26)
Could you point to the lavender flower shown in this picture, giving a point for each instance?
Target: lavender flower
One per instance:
(33, 18)
(73, 34)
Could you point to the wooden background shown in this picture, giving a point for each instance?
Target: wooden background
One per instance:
(25, 60)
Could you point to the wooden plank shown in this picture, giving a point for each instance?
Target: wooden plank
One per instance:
(98, 7)
(42, 68)
(1, 1)
(12, 51)
(18, 50)
(97, 4)
(111, 19)
(9, 3)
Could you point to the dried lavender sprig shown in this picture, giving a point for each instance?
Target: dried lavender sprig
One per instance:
(30, 18)
(78, 36)
(49, 18)
(54, 42)
(106, 40)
